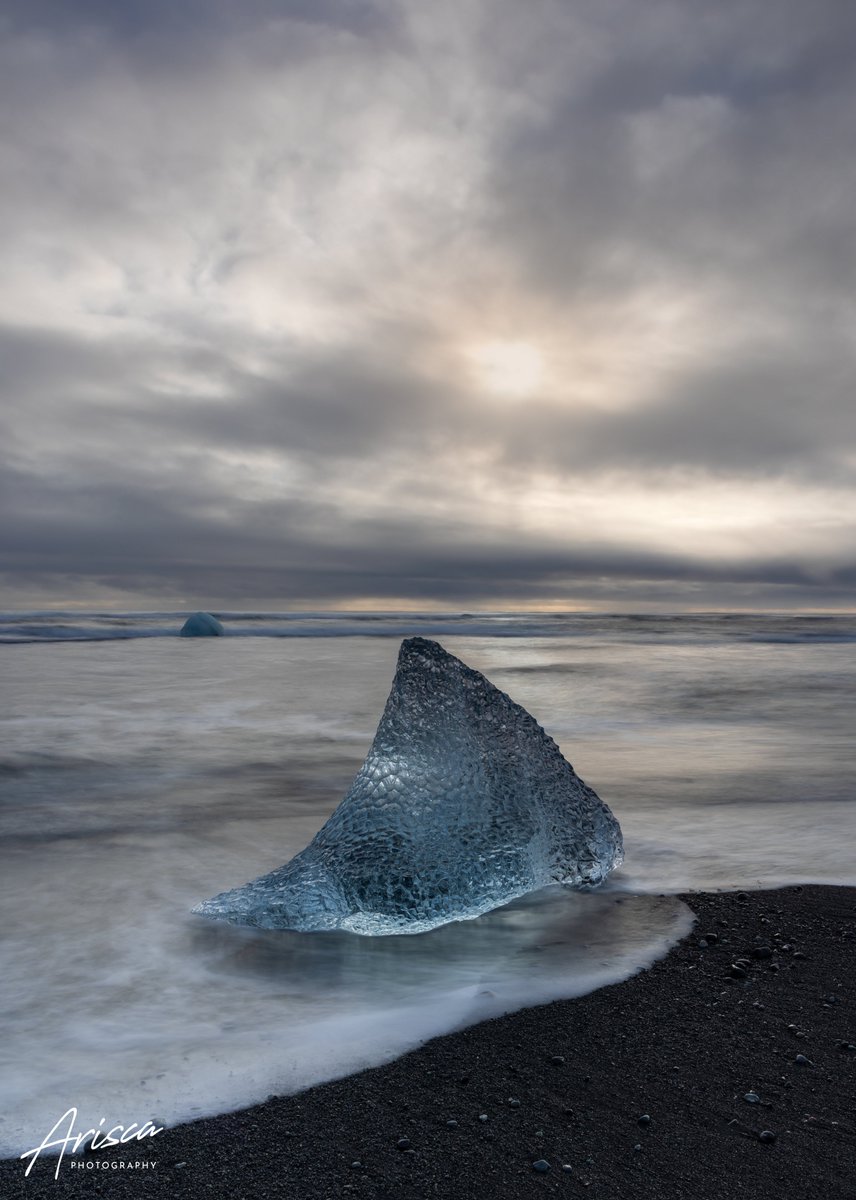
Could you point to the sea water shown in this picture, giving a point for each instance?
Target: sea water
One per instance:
(140, 773)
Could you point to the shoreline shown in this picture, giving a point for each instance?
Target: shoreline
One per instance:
(682, 1043)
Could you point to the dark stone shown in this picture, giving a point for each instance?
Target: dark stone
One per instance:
(738, 972)
(766, 1135)
(802, 1061)
(541, 1166)
(403, 1143)
(644, 1119)
(762, 951)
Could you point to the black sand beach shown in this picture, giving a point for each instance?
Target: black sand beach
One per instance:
(635, 1092)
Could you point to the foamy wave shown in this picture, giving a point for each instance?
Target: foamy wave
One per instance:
(194, 1021)
(636, 628)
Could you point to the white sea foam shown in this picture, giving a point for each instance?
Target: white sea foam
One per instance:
(154, 1017)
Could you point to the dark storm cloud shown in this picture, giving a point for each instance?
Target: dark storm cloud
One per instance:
(343, 404)
(720, 158)
(134, 21)
(745, 419)
(361, 404)
(124, 533)
(251, 246)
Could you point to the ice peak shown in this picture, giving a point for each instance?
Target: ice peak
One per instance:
(462, 804)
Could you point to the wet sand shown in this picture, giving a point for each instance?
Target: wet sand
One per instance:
(570, 1084)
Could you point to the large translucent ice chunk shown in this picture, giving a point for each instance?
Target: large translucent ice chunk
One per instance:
(462, 804)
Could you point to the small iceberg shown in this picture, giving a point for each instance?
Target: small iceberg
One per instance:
(202, 624)
(462, 804)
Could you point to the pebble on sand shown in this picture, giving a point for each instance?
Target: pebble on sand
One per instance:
(541, 1165)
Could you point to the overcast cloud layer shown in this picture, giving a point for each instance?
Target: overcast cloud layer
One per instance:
(322, 302)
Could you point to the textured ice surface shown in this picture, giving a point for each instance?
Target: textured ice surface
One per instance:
(462, 804)
(201, 624)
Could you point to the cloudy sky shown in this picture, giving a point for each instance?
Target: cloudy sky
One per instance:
(457, 303)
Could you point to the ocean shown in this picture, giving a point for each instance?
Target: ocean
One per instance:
(141, 772)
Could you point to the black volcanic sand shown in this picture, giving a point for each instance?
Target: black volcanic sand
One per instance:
(682, 1043)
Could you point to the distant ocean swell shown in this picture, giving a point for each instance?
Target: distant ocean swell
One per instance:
(774, 629)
